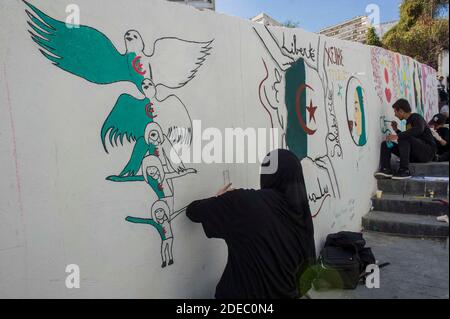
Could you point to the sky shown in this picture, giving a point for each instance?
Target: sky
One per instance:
(312, 15)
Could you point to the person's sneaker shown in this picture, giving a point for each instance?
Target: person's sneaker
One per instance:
(384, 173)
(403, 173)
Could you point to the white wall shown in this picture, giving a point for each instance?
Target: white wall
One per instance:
(56, 208)
(443, 65)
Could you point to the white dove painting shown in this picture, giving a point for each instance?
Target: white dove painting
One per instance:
(89, 54)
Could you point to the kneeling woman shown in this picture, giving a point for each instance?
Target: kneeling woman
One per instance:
(269, 233)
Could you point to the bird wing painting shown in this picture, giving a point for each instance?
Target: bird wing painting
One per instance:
(172, 51)
(154, 123)
(129, 118)
(83, 51)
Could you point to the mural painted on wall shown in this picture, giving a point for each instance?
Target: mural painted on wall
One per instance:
(397, 76)
(385, 125)
(298, 95)
(147, 122)
(391, 75)
(301, 86)
(429, 85)
(356, 111)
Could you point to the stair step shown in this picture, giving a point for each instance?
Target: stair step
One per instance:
(430, 169)
(437, 169)
(409, 205)
(405, 224)
(415, 186)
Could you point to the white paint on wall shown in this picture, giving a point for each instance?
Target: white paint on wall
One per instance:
(57, 208)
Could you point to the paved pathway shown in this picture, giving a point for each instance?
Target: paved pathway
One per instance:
(419, 269)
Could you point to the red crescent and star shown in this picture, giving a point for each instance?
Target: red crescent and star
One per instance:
(137, 65)
(149, 110)
(311, 110)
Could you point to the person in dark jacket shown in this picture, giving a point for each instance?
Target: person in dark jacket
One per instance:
(441, 136)
(416, 144)
(269, 233)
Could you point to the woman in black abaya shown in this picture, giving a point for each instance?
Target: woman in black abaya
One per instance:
(269, 232)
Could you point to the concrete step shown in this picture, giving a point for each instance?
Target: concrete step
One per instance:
(436, 169)
(405, 224)
(416, 186)
(409, 205)
(430, 169)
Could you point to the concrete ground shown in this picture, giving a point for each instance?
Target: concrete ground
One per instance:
(419, 269)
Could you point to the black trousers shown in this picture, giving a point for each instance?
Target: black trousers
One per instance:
(444, 157)
(409, 150)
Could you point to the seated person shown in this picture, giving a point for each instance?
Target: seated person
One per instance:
(416, 144)
(444, 111)
(440, 134)
(441, 85)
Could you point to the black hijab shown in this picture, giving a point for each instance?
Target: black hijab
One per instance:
(282, 171)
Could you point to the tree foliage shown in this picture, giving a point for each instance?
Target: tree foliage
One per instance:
(422, 31)
(291, 24)
(372, 37)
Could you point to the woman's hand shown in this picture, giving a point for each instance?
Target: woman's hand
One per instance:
(392, 138)
(224, 189)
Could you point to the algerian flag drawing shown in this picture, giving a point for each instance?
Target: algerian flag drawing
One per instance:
(302, 104)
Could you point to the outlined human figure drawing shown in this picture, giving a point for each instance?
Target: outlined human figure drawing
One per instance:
(161, 219)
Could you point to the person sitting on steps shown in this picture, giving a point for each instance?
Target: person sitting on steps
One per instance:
(441, 135)
(416, 144)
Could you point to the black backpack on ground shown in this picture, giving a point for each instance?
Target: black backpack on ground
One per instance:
(343, 260)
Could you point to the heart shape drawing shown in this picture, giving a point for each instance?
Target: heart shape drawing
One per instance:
(386, 75)
(388, 94)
